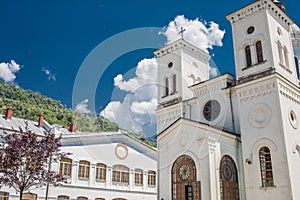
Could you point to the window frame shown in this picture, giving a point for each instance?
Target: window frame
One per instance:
(151, 178)
(84, 169)
(138, 177)
(64, 164)
(266, 169)
(120, 174)
(4, 195)
(259, 52)
(101, 172)
(63, 197)
(248, 56)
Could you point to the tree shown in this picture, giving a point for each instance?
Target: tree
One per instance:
(24, 161)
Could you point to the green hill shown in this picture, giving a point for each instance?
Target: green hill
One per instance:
(29, 105)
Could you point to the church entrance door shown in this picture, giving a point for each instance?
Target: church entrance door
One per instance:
(184, 182)
(228, 179)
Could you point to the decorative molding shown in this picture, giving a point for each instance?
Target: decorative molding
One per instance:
(260, 116)
(257, 7)
(253, 93)
(289, 93)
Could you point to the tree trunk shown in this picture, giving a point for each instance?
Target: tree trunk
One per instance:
(21, 194)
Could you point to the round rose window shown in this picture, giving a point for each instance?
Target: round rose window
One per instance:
(211, 110)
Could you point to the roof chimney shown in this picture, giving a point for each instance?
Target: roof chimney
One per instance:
(9, 112)
(72, 127)
(41, 120)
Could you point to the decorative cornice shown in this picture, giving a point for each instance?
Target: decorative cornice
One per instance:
(289, 93)
(258, 6)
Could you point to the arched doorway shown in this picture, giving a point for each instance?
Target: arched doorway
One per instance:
(184, 179)
(228, 179)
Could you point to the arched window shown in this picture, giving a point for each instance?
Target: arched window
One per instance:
(259, 52)
(66, 167)
(82, 198)
(228, 179)
(286, 57)
(280, 53)
(63, 197)
(174, 83)
(297, 67)
(84, 169)
(248, 56)
(100, 172)
(138, 177)
(266, 167)
(120, 174)
(119, 199)
(151, 178)
(4, 195)
(166, 87)
(99, 199)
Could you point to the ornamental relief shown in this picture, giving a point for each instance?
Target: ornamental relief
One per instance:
(257, 92)
(289, 94)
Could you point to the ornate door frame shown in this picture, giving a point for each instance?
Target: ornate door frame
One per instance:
(184, 179)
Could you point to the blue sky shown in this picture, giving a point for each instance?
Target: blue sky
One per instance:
(51, 39)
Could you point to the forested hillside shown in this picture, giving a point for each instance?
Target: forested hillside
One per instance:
(29, 105)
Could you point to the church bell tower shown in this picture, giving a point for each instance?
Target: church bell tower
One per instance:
(268, 99)
(180, 65)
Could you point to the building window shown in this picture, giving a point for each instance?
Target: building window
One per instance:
(29, 196)
(174, 83)
(63, 197)
(119, 199)
(259, 52)
(99, 199)
(138, 177)
(248, 56)
(266, 167)
(101, 172)
(82, 198)
(286, 57)
(84, 169)
(4, 195)
(151, 178)
(166, 87)
(66, 167)
(120, 174)
(280, 53)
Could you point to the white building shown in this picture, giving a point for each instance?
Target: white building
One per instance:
(226, 139)
(102, 166)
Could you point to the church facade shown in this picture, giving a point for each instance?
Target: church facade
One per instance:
(229, 139)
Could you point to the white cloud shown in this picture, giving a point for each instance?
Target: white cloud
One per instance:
(201, 34)
(49, 74)
(82, 106)
(8, 71)
(144, 107)
(146, 72)
(138, 107)
(119, 113)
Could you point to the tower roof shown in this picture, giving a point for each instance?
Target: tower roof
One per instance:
(182, 44)
(273, 6)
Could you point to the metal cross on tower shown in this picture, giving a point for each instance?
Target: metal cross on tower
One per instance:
(181, 32)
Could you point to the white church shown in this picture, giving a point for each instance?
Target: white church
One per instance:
(227, 139)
